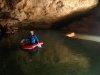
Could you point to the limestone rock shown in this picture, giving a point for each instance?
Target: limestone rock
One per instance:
(50, 10)
(44, 10)
(8, 26)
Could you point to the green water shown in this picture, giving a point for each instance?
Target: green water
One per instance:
(59, 55)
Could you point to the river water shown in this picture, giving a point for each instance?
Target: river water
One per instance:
(59, 55)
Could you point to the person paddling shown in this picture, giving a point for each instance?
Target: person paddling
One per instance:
(32, 38)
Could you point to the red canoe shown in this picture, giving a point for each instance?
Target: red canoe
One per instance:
(27, 45)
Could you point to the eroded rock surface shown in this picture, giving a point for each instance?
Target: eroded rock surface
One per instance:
(46, 11)
(41, 13)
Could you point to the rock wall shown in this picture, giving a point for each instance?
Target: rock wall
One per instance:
(47, 11)
(90, 24)
(8, 26)
(44, 14)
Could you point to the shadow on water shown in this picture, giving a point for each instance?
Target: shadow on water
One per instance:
(31, 52)
(8, 65)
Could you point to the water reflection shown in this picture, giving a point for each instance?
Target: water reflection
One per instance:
(55, 58)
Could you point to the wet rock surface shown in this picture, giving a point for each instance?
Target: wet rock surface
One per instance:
(8, 26)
